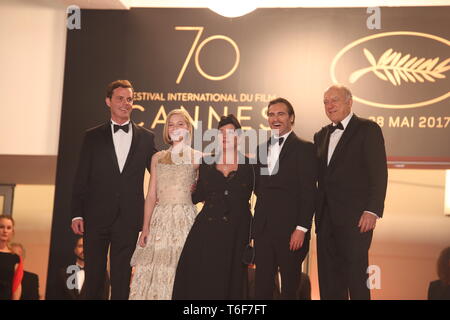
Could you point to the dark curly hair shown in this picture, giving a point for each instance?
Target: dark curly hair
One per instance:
(288, 105)
(229, 119)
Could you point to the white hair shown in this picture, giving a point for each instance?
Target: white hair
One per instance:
(347, 92)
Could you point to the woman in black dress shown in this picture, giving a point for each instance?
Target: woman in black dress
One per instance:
(11, 269)
(210, 265)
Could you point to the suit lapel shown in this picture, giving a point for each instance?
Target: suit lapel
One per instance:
(283, 152)
(110, 146)
(133, 147)
(263, 158)
(285, 148)
(346, 136)
(322, 147)
(82, 292)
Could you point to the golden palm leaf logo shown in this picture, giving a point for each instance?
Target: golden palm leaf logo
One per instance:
(394, 67)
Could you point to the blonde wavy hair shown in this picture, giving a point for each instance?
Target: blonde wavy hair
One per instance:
(185, 115)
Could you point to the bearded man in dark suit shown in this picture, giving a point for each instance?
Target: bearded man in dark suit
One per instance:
(286, 191)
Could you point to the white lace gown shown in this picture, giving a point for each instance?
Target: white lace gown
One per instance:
(171, 221)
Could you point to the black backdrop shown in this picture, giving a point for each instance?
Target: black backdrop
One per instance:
(277, 52)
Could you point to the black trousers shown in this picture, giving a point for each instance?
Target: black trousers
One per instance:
(343, 258)
(272, 252)
(120, 240)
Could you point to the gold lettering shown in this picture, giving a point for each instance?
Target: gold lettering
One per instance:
(241, 118)
(264, 114)
(140, 108)
(405, 123)
(394, 122)
(212, 113)
(263, 97)
(194, 44)
(245, 97)
(161, 113)
(194, 121)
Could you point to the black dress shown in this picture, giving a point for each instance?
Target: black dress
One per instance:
(210, 265)
(8, 262)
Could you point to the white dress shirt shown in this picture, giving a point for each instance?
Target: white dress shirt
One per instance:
(334, 140)
(272, 159)
(336, 136)
(79, 278)
(122, 144)
(274, 152)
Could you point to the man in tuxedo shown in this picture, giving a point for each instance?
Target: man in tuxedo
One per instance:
(108, 198)
(286, 191)
(352, 188)
(71, 280)
(30, 280)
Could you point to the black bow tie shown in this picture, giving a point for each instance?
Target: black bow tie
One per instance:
(280, 140)
(125, 127)
(333, 128)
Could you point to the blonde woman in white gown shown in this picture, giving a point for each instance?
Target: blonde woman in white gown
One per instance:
(168, 214)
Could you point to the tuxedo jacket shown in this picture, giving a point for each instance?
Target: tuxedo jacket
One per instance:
(356, 178)
(286, 199)
(73, 294)
(101, 192)
(30, 286)
(438, 290)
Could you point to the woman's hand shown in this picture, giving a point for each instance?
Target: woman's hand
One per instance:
(143, 238)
